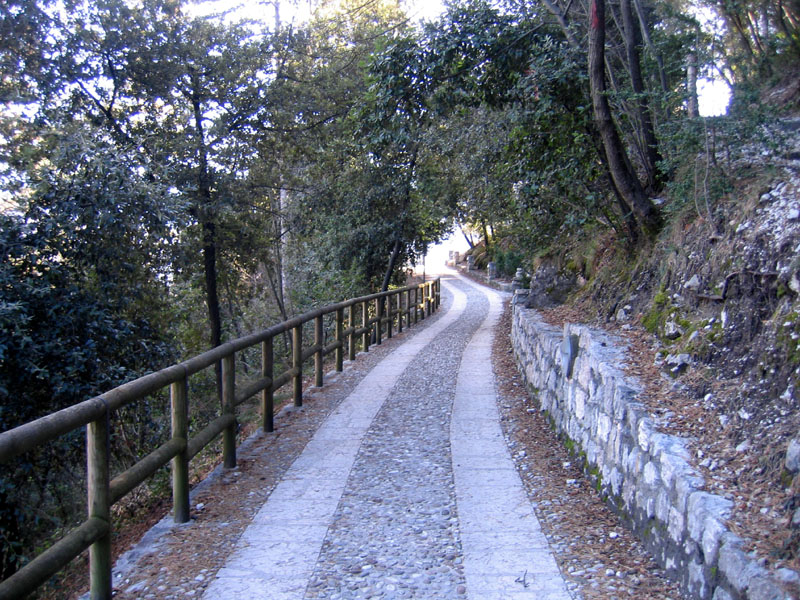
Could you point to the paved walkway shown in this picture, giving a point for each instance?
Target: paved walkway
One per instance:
(407, 490)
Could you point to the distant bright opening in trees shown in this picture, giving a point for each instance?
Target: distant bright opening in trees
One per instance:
(713, 96)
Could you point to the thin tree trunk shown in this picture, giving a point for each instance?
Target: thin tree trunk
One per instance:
(392, 263)
(207, 215)
(624, 208)
(467, 237)
(562, 21)
(662, 76)
(642, 108)
(280, 271)
(692, 104)
(619, 164)
(782, 15)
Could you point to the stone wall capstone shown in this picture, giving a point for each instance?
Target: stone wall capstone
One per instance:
(643, 474)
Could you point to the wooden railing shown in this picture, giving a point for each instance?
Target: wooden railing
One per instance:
(368, 319)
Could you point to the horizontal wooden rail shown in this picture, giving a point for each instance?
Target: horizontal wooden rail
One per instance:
(207, 435)
(127, 480)
(377, 312)
(52, 560)
(252, 389)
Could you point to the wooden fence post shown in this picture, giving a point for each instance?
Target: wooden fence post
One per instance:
(351, 319)
(297, 364)
(99, 500)
(228, 402)
(378, 320)
(364, 324)
(400, 312)
(339, 340)
(390, 314)
(416, 304)
(180, 463)
(319, 342)
(428, 287)
(267, 394)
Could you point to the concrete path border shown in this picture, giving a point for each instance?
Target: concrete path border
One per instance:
(506, 555)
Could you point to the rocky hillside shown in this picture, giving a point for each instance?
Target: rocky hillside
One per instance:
(715, 306)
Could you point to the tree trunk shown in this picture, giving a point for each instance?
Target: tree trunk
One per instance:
(207, 214)
(467, 237)
(662, 76)
(619, 164)
(692, 104)
(625, 210)
(392, 264)
(645, 122)
(562, 21)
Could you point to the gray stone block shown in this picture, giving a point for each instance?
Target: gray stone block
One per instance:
(700, 506)
(644, 431)
(762, 588)
(721, 594)
(713, 530)
(676, 525)
(736, 568)
(672, 469)
(792, 461)
(651, 476)
(684, 487)
(697, 581)
(603, 427)
(615, 480)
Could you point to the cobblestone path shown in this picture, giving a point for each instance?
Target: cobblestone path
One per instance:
(407, 489)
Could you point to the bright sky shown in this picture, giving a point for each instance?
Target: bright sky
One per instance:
(713, 97)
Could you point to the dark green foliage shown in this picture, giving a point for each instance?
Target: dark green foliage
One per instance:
(83, 308)
(507, 262)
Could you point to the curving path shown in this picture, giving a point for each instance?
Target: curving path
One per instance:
(407, 489)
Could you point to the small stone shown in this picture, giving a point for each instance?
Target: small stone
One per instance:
(461, 590)
(678, 363)
(787, 575)
(672, 330)
(792, 461)
(744, 446)
(793, 214)
(796, 519)
(693, 284)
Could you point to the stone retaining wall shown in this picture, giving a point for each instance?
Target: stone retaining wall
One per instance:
(643, 474)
